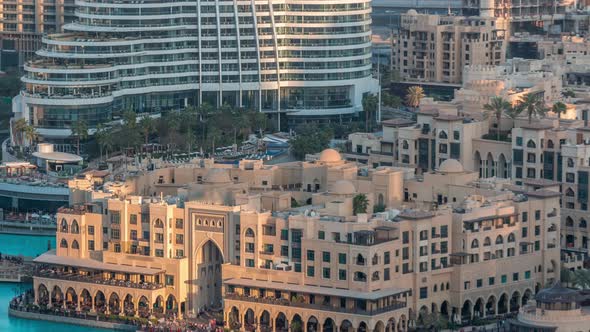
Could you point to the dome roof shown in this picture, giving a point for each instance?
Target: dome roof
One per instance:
(343, 187)
(216, 175)
(330, 155)
(451, 166)
(557, 294)
(412, 12)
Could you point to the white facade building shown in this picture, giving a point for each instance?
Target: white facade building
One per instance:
(307, 59)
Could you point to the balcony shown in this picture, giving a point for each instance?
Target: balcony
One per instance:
(314, 306)
(51, 274)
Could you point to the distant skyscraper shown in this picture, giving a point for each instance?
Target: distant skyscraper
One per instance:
(23, 22)
(309, 60)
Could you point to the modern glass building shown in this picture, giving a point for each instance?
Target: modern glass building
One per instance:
(302, 58)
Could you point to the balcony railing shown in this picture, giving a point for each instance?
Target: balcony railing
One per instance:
(315, 306)
(49, 274)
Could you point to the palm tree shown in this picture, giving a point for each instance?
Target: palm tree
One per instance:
(31, 134)
(79, 132)
(496, 107)
(581, 278)
(103, 138)
(559, 108)
(19, 128)
(360, 203)
(147, 126)
(533, 105)
(369, 107)
(414, 96)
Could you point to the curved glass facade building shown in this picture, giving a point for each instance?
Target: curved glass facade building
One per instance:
(307, 58)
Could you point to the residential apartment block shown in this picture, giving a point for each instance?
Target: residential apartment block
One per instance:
(285, 246)
(309, 60)
(23, 22)
(434, 48)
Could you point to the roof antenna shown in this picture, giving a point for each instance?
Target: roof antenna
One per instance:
(449, 7)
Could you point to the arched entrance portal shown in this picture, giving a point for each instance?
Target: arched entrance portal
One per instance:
(207, 283)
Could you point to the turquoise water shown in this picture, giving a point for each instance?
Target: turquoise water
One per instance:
(28, 246)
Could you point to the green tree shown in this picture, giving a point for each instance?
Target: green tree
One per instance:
(559, 108)
(370, 106)
(19, 128)
(496, 107)
(79, 132)
(101, 135)
(533, 105)
(581, 278)
(31, 134)
(360, 204)
(414, 95)
(147, 126)
(513, 112)
(10, 84)
(390, 100)
(569, 93)
(130, 130)
(310, 139)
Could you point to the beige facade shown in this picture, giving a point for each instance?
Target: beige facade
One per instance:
(433, 48)
(292, 251)
(23, 22)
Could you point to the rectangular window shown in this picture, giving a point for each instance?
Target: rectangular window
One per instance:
(515, 276)
(386, 275)
(423, 292)
(146, 235)
(444, 231)
(479, 283)
(527, 274)
(321, 235)
(90, 230)
(105, 230)
(341, 274)
(525, 216)
(179, 223)
(491, 281)
(538, 215)
(524, 232)
(249, 263)
(133, 235)
(90, 244)
(405, 253)
(284, 234)
(310, 271)
(115, 234)
(406, 237)
(249, 247)
(285, 251)
(326, 273)
(341, 258)
(504, 278)
(326, 256)
(133, 219)
(169, 280)
(310, 255)
(159, 253)
(537, 230)
(179, 239)
(115, 217)
(159, 238)
(179, 253)
(386, 257)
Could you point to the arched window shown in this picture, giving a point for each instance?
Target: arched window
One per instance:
(75, 228)
(511, 238)
(405, 145)
(475, 243)
(570, 162)
(442, 135)
(375, 276)
(569, 192)
(499, 239)
(159, 223)
(63, 226)
(442, 287)
(360, 276)
(63, 243)
(549, 144)
(531, 144)
(249, 232)
(360, 260)
(487, 241)
(75, 245)
(583, 223)
(434, 289)
(569, 222)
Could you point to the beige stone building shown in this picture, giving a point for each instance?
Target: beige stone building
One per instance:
(23, 23)
(434, 48)
(287, 246)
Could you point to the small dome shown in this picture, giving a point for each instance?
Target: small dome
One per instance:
(412, 12)
(343, 187)
(330, 155)
(451, 166)
(557, 294)
(216, 175)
